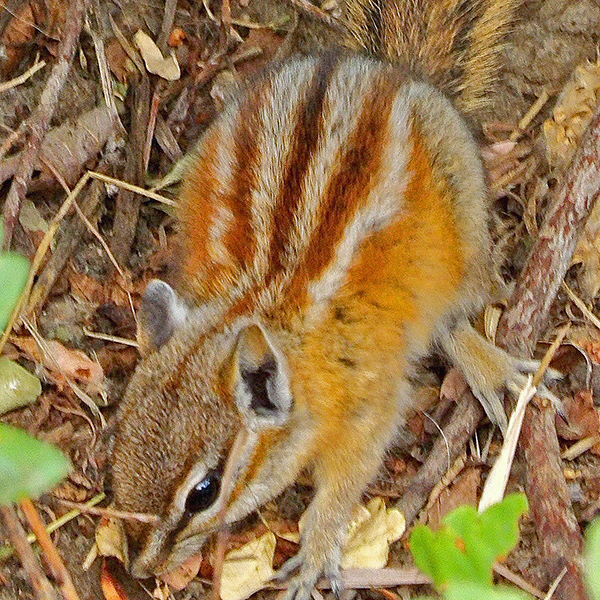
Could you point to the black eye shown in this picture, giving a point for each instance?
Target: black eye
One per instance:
(204, 494)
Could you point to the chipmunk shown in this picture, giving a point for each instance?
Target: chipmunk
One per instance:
(334, 230)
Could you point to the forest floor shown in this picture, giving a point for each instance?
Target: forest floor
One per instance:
(111, 115)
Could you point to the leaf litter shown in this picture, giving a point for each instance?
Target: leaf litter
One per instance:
(521, 175)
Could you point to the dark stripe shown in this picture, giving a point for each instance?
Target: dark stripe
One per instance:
(304, 140)
(357, 168)
(240, 239)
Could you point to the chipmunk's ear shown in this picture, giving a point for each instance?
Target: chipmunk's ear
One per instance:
(160, 313)
(262, 389)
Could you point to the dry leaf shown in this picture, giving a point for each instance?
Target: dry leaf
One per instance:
(572, 114)
(30, 217)
(453, 386)
(247, 569)
(167, 68)
(62, 362)
(462, 491)
(111, 588)
(370, 534)
(582, 419)
(111, 540)
(180, 577)
(67, 148)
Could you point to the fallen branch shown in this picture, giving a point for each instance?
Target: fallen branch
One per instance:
(520, 327)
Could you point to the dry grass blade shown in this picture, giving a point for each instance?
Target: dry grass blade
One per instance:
(110, 512)
(495, 486)
(132, 188)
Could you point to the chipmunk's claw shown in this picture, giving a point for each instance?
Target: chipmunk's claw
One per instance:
(301, 585)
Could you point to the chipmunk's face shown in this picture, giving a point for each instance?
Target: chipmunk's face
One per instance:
(196, 395)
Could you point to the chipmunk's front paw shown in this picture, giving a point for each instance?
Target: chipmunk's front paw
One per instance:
(301, 585)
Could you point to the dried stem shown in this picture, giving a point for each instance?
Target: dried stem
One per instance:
(52, 558)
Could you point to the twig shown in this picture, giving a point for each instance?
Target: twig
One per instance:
(555, 584)
(531, 114)
(52, 558)
(154, 105)
(505, 572)
(109, 512)
(39, 582)
(7, 85)
(127, 204)
(520, 328)
(39, 122)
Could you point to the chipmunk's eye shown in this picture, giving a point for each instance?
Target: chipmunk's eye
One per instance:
(204, 494)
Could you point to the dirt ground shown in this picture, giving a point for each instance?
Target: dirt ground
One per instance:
(97, 268)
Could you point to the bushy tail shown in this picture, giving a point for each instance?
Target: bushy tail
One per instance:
(455, 44)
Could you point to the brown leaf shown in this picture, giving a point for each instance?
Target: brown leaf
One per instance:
(19, 32)
(462, 491)
(118, 61)
(179, 578)
(62, 362)
(111, 540)
(582, 418)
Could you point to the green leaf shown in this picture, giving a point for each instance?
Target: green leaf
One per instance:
(476, 591)
(465, 548)
(592, 558)
(18, 387)
(28, 467)
(14, 270)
